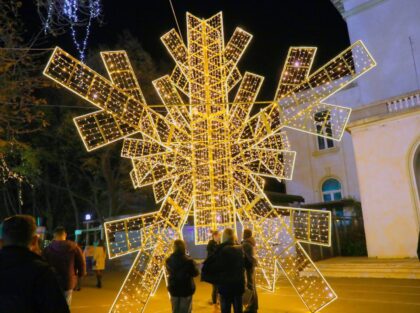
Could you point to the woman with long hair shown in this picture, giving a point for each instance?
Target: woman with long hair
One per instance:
(181, 271)
(226, 269)
(99, 257)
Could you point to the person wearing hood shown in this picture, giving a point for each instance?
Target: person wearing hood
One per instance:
(67, 259)
(248, 246)
(181, 271)
(27, 283)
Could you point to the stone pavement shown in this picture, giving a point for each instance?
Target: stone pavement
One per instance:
(370, 267)
(356, 295)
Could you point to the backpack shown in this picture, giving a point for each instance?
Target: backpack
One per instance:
(207, 274)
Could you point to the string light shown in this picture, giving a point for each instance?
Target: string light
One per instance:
(75, 13)
(209, 157)
(6, 175)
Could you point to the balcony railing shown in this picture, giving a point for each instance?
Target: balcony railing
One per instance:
(407, 102)
(394, 105)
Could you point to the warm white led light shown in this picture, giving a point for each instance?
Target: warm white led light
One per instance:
(208, 157)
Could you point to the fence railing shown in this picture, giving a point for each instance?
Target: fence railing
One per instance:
(348, 239)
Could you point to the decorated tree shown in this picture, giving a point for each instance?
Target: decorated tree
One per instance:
(73, 183)
(20, 112)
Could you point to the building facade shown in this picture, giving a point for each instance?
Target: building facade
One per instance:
(377, 161)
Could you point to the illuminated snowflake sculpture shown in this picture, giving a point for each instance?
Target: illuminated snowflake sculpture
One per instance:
(208, 157)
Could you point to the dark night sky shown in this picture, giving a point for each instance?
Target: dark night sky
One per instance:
(275, 24)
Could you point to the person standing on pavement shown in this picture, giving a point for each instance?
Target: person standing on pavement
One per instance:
(99, 257)
(67, 259)
(226, 269)
(181, 271)
(211, 248)
(27, 283)
(248, 246)
(79, 279)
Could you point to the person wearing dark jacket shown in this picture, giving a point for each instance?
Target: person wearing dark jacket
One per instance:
(27, 283)
(67, 259)
(181, 271)
(248, 246)
(211, 248)
(226, 269)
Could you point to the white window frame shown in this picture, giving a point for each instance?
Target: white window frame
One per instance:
(328, 142)
(331, 192)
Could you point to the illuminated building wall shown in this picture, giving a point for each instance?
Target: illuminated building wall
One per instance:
(374, 163)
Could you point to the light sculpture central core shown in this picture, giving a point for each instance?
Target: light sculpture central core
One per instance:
(207, 72)
(208, 157)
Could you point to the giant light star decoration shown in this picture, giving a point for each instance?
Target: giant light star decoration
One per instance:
(208, 157)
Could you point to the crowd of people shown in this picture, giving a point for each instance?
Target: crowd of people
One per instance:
(229, 267)
(35, 280)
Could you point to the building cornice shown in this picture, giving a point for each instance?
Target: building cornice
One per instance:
(380, 119)
(339, 4)
(391, 108)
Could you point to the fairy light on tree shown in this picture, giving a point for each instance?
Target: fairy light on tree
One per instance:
(21, 114)
(57, 15)
(6, 174)
(209, 157)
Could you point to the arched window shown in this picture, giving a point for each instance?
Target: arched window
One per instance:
(331, 190)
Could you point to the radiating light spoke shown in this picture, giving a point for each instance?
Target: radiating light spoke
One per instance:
(208, 157)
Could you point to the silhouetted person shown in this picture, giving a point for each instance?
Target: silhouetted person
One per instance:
(226, 269)
(211, 248)
(79, 279)
(99, 257)
(27, 283)
(181, 271)
(67, 259)
(418, 248)
(248, 245)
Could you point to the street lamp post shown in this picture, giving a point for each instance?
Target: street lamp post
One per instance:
(87, 221)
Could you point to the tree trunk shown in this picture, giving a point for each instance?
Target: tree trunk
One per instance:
(49, 212)
(6, 204)
(71, 197)
(10, 202)
(96, 202)
(112, 186)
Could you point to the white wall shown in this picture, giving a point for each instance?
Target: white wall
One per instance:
(389, 209)
(381, 179)
(385, 29)
(313, 166)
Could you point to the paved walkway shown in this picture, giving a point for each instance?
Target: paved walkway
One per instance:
(356, 295)
(370, 267)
